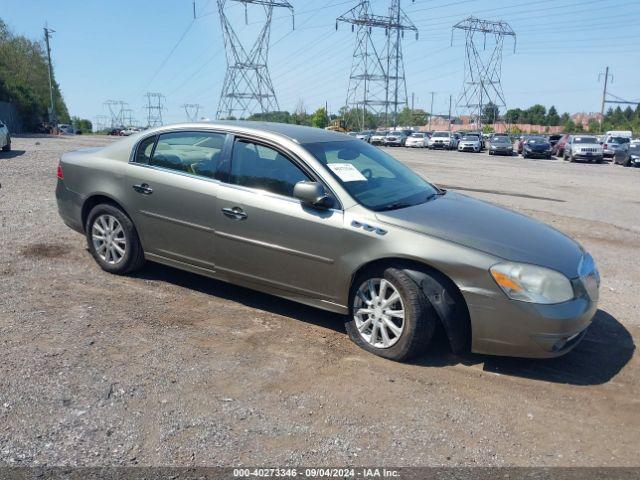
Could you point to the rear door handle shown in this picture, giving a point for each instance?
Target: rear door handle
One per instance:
(235, 213)
(143, 188)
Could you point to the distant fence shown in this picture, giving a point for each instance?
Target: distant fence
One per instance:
(9, 115)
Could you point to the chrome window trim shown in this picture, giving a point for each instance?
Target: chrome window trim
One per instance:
(231, 138)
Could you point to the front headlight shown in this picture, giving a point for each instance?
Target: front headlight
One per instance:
(533, 284)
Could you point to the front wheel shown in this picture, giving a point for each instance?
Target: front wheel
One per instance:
(113, 241)
(390, 315)
(7, 147)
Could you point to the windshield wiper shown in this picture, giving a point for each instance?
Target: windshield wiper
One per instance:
(396, 206)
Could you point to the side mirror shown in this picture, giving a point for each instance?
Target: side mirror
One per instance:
(312, 194)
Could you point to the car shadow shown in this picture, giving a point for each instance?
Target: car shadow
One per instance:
(12, 154)
(605, 350)
(244, 296)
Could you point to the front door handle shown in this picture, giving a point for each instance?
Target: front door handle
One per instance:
(143, 188)
(234, 212)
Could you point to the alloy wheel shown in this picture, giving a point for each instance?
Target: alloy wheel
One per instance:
(379, 313)
(109, 239)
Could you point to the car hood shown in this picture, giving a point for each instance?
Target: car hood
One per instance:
(491, 229)
(538, 146)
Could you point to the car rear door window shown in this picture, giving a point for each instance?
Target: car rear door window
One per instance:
(197, 153)
(264, 168)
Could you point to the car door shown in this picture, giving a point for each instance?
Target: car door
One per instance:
(266, 236)
(171, 194)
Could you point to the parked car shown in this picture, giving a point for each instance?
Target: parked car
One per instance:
(501, 145)
(417, 139)
(522, 140)
(66, 129)
(365, 136)
(444, 140)
(630, 157)
(469, 143)
(5, 137)
(558, 148)
(536, 147)
(583, 147)
(378, 137)
(248, 203)
(397, 138)
(554, 139)
(352, 134)
(612, 144)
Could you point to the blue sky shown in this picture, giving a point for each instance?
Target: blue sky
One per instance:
(119, 49)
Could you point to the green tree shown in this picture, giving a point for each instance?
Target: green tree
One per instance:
(553, 118)
(490, 113)
(81, 125)
(319, 118)
(24, 79)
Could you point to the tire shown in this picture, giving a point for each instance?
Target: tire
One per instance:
(7, 147)
(417, 326)
(490, 152)
(133, 257)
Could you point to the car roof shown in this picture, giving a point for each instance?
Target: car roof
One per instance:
(298, 133)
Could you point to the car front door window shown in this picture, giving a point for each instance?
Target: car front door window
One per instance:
(258, 166)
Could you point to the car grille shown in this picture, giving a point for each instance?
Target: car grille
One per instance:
(588, 150)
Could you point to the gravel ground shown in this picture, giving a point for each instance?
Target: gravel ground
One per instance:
(168, 368)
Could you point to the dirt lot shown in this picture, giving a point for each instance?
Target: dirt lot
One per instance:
(168, 368)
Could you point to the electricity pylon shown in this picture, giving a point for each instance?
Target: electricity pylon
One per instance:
(377, 83)
(191, 111)
(117, 109)
(247, 84)
(154, 109)
(483, 68)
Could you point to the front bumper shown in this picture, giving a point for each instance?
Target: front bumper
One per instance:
(468, 148)
(444, 146)
(587, 156)
(502, 151)
(535, 154)
(502, 326)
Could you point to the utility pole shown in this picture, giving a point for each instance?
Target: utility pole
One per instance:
(431, 109)
(604, 92)
(449, 112)
(52, 112)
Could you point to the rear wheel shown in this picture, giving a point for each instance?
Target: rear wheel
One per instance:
(7, 147)
(390, 315)
(113, 241)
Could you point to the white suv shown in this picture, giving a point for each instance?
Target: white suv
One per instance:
(5, 138)
(444, 140)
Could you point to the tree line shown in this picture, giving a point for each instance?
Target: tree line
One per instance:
(24, 79)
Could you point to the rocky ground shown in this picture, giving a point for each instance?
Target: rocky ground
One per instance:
(169, 368)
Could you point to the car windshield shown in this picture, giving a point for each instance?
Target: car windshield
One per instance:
(417, 135)
(381, 133)
(537, 140)
(470, 138)
(441, 134)
(373, 178)
(585, 140)
(618, 140)
(501, 140)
